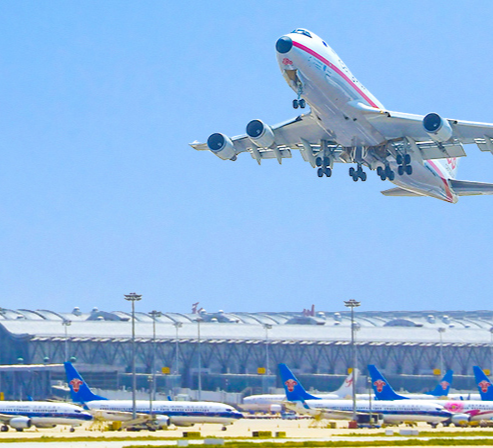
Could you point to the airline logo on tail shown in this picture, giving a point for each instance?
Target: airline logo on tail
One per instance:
(290, 384)
(484, 385)
(76, 383)
(379, 384)
(348, 381)
(444, 385)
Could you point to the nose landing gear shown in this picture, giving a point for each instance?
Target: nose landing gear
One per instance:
(299, 102)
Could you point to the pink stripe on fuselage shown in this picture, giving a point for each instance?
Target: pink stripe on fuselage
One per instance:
(337, 70)
(439, 172)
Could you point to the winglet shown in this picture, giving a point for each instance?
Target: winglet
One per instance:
(484, 384)
(383, 390)
(79, 390)
(443, 387)
(293, 388)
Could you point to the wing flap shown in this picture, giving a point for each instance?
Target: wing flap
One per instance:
(468, 188)
(400, 192)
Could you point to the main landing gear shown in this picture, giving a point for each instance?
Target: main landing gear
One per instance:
(324, 164)
(299, 103)
(386, 173)
(357, 173)
(404, 164)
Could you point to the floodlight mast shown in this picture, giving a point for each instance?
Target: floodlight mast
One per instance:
(353, 304)
(152, 390)
(133, 297)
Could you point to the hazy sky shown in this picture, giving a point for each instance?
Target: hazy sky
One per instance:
(101, 194)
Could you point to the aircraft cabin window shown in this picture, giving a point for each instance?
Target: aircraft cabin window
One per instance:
(302, 31)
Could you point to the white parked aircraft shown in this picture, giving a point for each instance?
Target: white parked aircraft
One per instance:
(180, 413)
(21, 415)
(273, 402)
(348, 124)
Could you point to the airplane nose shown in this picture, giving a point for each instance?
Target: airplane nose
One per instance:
(284, 44)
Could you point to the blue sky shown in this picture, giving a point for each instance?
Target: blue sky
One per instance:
(102, 196)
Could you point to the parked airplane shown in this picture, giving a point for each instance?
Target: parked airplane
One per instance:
(21, 415)
(393, 411)
(179, 413)
(273, 402)
(348, 124)
(484, 384)
(475, 410)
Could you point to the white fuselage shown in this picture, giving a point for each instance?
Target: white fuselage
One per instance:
(180, 413)
(332, 92)
(392, 411)
(44, 414)
(270, 402)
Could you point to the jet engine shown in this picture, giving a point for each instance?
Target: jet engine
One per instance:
(437, 128)
(222, 146)
(460, 419)
(275, 408)
(161, 421)
(260, 134)
(20, 422)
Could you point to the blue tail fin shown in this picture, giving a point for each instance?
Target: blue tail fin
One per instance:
(484, 384)
(79, 390)
(383, 390)
(294, 389)
(443, 387)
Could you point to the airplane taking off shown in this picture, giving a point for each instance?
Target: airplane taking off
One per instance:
(273, 402)
(180, 413)
(347, 124)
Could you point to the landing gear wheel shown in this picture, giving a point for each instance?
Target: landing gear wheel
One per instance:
(295, 104)
(302, 103)
(400, 170)
(318, 161)
(355, 177)
(320, 172)
(391, 176)
(72, 429)
(383, 176)
(351, 171)
(328, 171)
(409, 170)
(380, 171)
(4, 428)
(224, 428)
(407, 159)
(363, 176)
(398, 159)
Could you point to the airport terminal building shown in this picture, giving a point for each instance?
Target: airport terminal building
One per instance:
(240, 351)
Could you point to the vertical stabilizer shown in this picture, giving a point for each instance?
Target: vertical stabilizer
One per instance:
(383, 390)
(346, 389)
(443, 387)
(484, 384)
(79, 390)
(293, 388)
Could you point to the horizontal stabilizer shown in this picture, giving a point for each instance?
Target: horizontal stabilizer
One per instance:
(467, 188)
(399, 192)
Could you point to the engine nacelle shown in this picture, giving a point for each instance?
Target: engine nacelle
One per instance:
(161, 421)
(437, 128)
(222, 146)
(460, 419)
(20, 422)
(260, 134)
(275, 408)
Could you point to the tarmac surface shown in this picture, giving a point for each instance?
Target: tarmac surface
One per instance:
(300, 430)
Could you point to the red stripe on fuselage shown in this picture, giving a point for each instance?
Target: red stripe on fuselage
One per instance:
(337, 70)
(447, 187)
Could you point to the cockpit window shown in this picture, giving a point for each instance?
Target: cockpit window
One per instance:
(324, 43)
(302, 31)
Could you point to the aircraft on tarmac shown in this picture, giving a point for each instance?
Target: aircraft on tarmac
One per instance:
(179, 413)
(476, 410)
(21, 415)
(348, 124)
(273, 402)
(392, 411)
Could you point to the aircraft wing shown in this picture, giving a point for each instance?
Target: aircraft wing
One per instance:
(397, 125)
(5, 418)
(300, 133)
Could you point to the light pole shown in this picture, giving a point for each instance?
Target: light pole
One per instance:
(267, 327)
(177, 325)
(491, 350)
(441, 330)
(199, 361)
(133, 297)
(152, 389)
(353, 304)
(66, 323)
